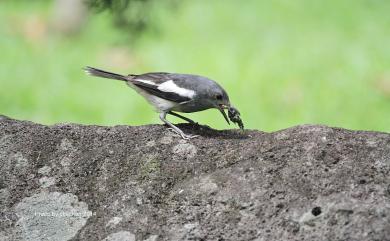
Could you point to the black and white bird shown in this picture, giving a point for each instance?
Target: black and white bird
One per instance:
(170, 93)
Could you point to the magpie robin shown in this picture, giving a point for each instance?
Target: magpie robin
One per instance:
(170, 93)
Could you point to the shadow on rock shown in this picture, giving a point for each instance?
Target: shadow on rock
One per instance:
(206, 131)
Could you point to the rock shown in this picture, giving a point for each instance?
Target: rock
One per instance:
(49, 216)
(76, 182)
(120, 236)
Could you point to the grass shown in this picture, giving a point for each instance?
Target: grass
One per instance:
(283, 63)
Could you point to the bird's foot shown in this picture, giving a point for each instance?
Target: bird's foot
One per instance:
(182, 135)
(188, 137)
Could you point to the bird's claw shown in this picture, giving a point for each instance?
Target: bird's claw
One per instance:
(182, 135)
(188, 137)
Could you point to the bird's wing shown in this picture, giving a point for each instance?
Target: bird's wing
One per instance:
(161, 85)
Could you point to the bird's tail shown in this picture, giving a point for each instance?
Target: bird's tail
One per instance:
(104, 74)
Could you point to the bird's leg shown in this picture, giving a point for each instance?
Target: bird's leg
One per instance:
(182, 117)
(175, 128)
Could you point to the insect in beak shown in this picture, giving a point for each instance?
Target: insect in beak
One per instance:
(221, 109)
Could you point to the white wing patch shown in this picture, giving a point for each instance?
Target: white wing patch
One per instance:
(158, 103)
(145, 81)
(170, 86)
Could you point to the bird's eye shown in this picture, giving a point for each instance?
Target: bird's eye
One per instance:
(218, 97)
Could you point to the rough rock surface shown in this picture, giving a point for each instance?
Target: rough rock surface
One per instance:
(75, 182)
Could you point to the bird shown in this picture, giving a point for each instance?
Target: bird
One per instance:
(172, 92)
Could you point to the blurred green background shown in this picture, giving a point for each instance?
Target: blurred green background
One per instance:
(282, 62)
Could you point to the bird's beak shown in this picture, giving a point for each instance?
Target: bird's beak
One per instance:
(221, 109)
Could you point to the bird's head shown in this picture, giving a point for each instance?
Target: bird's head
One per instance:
(220, 101)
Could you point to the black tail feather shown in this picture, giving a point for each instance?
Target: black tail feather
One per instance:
(103, 74)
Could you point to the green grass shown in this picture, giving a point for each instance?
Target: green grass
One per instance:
(283, 63)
